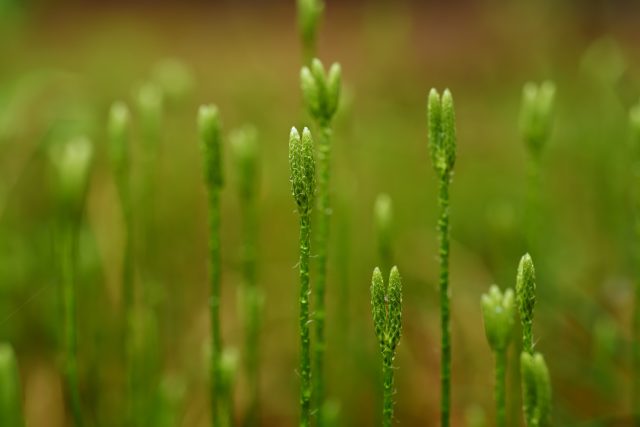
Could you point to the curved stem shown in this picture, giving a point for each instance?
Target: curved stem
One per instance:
(445, 372)
(305, 339)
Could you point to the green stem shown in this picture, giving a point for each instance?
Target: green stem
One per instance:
(68, 248)
(533, 212)
(445, 372)
(387, 374)
(323, 221)
(217, 388)
(305, 339)
(635, 350)
(128, 295)
(500, 387)
(252, 307)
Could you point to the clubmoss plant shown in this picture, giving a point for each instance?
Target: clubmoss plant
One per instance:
(536, 385)
(386, 302)
(526, 296)
(71, 161)
(321, 92)
(309, 14)
(634, 124)
(442, 146)
(209, 127)
(119, 146)
(303, 182)
(498, 313)
(536, 390)
(536, 113)
(244, 143)
(383, 215)
(10, 391)
(150, 104)
(119, 138)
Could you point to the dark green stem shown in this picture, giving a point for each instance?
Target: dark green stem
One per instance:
(252, 306)
(387, 374)
(445, 372)
(500, 387)
(68, 248)
(217, 388)
(635, 350)
(323, 221)
(127, 294)
(533, 209)
(305, 338)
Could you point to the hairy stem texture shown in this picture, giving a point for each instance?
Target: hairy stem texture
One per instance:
(322, 242)
(217, 394)
(305, 338)
(445, 373)
(387, 373)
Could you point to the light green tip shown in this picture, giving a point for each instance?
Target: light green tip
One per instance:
(394, 328)
(10, 391)
(302, 169)
(244, 145)
(536, 114)
(498, 313)
(378, 305)
(321, 90)
(119, 130)
(209, 130)
(383, 213)
(441, 123)
(386, 302)
(526, 288)
(72, 161)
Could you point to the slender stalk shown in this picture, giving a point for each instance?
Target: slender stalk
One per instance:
(445, 327)
(72, 161)
(302, 176)
(634, 121)
(210, 136)
(321, 92)
(387, 375)
(322, 243)
(500, 387)
(442, 147)
(245, 147)
(68, 256)
(214, 283)
(119, 139)
(303, 320)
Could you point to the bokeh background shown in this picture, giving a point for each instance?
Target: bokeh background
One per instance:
(63, 63)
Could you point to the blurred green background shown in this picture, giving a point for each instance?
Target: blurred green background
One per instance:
(63, 63)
